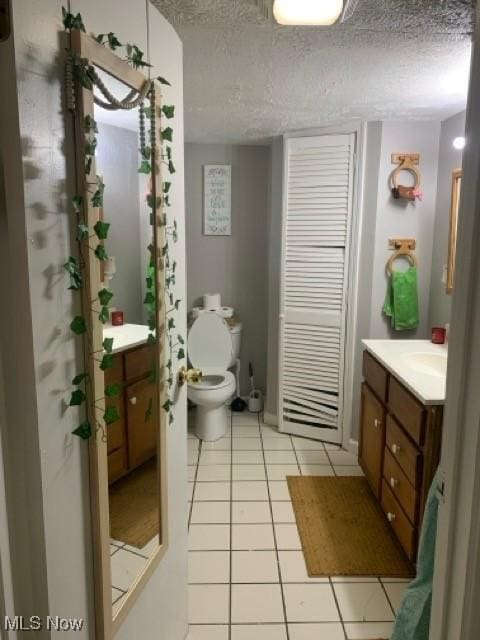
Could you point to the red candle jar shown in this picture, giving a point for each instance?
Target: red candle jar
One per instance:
(117, 318)
(438, 335)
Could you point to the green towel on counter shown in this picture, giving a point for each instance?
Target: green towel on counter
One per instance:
(401, 302)
(413, 619)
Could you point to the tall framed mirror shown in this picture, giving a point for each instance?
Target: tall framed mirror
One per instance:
(452, 241)
(121, 232)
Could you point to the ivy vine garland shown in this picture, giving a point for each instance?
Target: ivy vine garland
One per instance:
(80, 70)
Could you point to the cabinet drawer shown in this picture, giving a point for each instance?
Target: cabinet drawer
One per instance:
(400, 486)
(375, 375)
(139, 362)
(117, 464)
(404, 452)
(403, 528)
(372, 439)
(408, 411)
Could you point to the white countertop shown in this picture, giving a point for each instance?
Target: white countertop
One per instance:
(393, 354)
(126, 336)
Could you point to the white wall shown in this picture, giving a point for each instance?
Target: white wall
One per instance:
(234, 266)
(449, 159)
(398, 218)
(53, 493)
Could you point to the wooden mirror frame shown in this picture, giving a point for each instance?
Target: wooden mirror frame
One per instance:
(106, 624)
(452, 240)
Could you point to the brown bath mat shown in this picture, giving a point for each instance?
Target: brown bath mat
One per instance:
(343, 529)
(134, 517)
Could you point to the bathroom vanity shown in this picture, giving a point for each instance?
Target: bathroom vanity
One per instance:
(132, 440)
(401, 428)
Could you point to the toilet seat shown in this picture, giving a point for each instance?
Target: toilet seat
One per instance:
(213, 380)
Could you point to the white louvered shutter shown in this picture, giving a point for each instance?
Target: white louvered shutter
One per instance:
(318, 188)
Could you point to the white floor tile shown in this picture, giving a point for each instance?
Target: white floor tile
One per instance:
(126, 567)
(279, 490)
(212, 491)
(315, 456)
(214, 537)
(116, 594)
(283, 512)
(363, 602)
(223, 444)
(322, 631)
(332, 447)
(216, 472)
(254, 603)
(348, 470)
(208, 603)
(248, 472)
(317, 470)
(245, 431)
(215, 457)
(208, 566)
(368, 630)
(280, 457)
(247, 444)
(342, 458)
(343, 579)
(272, 432)
(245, 418)
(248, 457)
(293, 569)
(190, 488)
(246, 491)
(254, 566)
(281, 471)
(251, 512)
(277, 444)
(191, 473)
(193, 444)
(211, 513)
(287, 537)
(395, 592)
(303, 444)
(208, 632)
(192, 456)
(259, 632)
(252, 536)
(310, 603)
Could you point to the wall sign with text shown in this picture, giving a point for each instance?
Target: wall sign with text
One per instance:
(217, 185)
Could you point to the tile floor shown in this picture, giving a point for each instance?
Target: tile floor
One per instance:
(127, 564)
(246, 570)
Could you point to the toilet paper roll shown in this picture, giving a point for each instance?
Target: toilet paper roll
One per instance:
(212, 301)
(197, 311)
(226, 312)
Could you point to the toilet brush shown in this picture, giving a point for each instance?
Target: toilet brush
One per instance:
(238, 404)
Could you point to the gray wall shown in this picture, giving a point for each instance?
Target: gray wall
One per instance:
(449, 159)
(236, 265)
(397, 218)
(121, 209)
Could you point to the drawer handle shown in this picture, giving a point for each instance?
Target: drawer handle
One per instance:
(396, 448)
(133, 400)
(393, 483)
(391, 516)
(377, 423)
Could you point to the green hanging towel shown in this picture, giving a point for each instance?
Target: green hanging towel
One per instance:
(401, 302)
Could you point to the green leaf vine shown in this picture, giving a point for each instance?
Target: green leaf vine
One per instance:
(83, 73)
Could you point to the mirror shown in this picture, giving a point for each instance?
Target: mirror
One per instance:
(452, 242)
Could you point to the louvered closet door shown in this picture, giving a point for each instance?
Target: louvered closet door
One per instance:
(318, 187)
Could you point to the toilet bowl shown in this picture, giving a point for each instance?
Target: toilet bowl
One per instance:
(211, 349)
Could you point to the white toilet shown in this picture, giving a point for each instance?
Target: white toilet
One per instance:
(213, 347)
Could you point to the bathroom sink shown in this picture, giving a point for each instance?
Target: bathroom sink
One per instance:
(431, 364)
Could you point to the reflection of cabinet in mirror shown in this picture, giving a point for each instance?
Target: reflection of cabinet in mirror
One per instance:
(131, 440)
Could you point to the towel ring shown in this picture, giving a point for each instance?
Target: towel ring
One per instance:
(401, 253)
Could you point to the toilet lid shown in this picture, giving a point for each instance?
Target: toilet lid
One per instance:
(210, 342)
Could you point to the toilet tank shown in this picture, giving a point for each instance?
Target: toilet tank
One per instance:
(236, 332)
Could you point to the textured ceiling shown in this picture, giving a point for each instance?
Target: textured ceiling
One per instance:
(247, 79)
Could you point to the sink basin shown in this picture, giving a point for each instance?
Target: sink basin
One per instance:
(431, 364)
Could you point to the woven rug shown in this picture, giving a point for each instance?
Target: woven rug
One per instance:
(134, 514)
(343, 529)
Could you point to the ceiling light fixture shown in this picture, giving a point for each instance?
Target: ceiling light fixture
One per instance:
(459, 143)
(307, 12)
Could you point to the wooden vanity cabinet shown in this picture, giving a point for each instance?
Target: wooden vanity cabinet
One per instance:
(399, 449)
(132, 440)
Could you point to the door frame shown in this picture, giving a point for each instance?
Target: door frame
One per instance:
(359, 130)
(456, 591)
